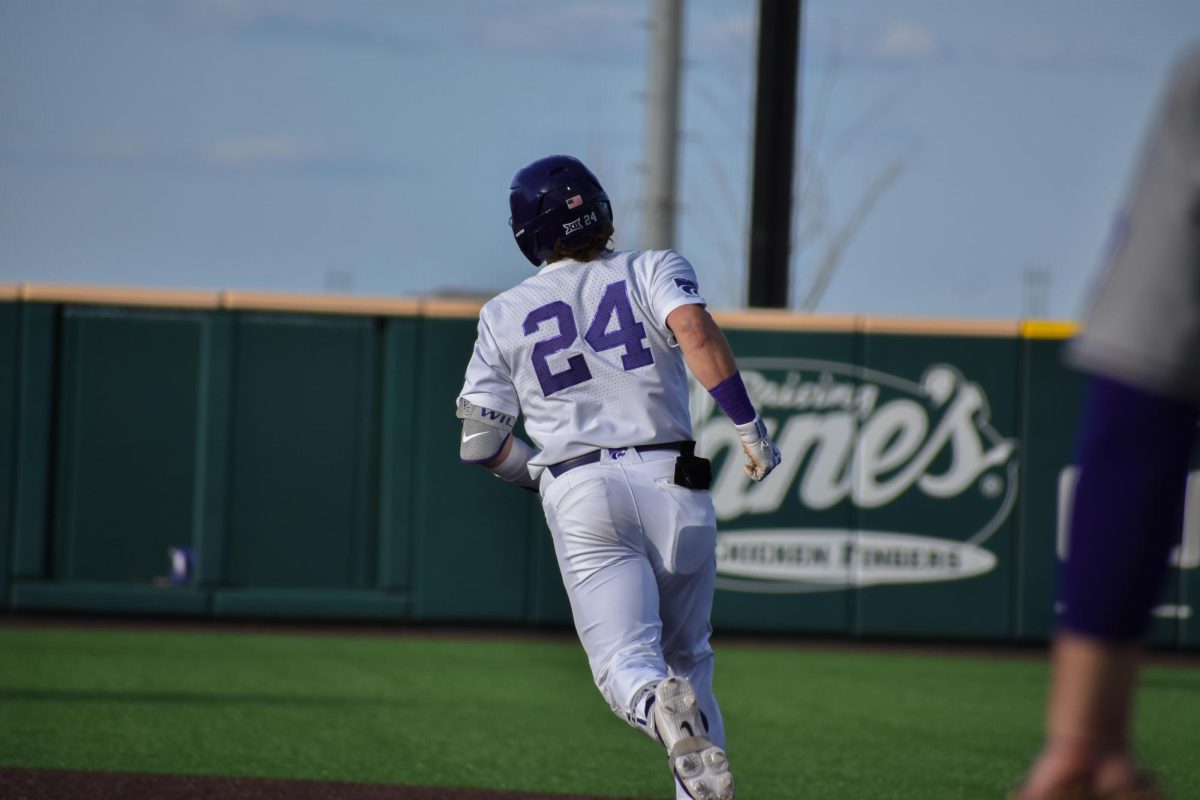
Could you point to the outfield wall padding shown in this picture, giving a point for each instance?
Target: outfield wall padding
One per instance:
(304, 450)
(9, 314)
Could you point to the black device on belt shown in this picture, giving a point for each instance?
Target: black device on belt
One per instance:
(690, 471)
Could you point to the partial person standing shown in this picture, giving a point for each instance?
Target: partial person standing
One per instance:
(1141, 348)
(593, 350)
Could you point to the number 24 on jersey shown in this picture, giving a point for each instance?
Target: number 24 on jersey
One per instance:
(628, 334)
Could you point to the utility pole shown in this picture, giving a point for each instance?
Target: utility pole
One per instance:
(662, 124)
(774, 152)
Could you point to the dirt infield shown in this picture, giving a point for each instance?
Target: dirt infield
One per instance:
(62, 784)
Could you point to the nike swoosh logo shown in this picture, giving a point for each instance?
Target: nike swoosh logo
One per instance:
(473, 435)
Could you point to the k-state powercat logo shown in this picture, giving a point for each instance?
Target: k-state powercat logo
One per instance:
(883, 481)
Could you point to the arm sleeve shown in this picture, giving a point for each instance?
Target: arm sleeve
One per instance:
(488, 382)
(672, 284)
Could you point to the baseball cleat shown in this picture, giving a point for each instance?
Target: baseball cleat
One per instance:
(699, 765)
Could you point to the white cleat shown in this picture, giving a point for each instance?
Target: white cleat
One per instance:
(699, 765)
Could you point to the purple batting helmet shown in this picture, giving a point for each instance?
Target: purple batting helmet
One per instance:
(556, 199)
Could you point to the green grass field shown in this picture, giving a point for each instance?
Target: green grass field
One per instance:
(523, 714)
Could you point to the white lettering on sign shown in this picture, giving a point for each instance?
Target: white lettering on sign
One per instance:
(867, 438)
(835, 559)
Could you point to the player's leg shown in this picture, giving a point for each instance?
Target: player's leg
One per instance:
(685, 608)
(608, 580)
(1126, 515)
(680, 529)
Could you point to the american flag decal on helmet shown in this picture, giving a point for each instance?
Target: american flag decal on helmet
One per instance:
(575, 202)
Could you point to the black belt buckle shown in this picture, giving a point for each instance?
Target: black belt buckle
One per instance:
(691, 471)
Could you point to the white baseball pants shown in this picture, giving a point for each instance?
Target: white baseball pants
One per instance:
(637, 556)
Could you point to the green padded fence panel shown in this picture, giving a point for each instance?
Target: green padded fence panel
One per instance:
(301, 498)
(38, 340)
(1051, 399)
(781, 543)
(8, 436)
(126, 477)
(470, 547)
(77, 597)
(212, 437)
(398, 437)
(937, 498)
(547, 599)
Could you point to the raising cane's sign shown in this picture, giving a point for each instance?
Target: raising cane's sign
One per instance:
(856, 440)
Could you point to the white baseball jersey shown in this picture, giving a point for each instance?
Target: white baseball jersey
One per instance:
(583, 350)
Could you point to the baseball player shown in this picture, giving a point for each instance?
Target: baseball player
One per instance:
(592, 350)
(1141, 347)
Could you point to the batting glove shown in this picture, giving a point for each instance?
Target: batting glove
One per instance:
(762, 452)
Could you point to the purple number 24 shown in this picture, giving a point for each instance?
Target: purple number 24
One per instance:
(628, 334)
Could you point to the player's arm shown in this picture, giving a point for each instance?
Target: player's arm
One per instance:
(488, 406)
(487, 440)
(710, 359)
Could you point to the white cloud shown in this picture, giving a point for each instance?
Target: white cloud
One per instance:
(263, 150)
(297, 21)
(1039, 51)
(578, 29)
(279, 154)
(906, 41)
(117, 147)
(876, 44)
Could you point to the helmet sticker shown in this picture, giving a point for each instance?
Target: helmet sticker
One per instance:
(579, 223)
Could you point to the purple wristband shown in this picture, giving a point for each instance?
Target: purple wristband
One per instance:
(731, 396)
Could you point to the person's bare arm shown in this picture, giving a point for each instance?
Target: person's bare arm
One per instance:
(710, 359)
(702, 343)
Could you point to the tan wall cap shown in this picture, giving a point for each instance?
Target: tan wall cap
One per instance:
(236, 300)
(770, 319)
(118, 296)
(467, 308)
(940, 327)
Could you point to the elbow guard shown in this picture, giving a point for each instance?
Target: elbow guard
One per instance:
(483, 432)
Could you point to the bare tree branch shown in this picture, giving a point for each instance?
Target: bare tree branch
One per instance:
(833, 252)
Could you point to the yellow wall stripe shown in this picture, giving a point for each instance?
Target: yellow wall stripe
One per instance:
(1049, 329)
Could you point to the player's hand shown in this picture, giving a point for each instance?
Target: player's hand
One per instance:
(760, 450)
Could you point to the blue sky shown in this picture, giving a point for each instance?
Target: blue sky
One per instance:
(367, 146)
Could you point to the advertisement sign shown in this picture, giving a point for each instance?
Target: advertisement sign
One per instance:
(892, 480)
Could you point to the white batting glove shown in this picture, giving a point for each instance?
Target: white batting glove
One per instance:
(762, 452)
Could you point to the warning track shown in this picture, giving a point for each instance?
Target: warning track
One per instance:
(61, 784)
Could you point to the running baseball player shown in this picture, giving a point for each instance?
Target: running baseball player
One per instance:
(592, 350)
(1141, 347)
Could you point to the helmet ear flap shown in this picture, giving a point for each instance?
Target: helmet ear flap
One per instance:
(527, 242)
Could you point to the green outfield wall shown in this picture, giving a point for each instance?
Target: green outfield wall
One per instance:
(304, 450)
